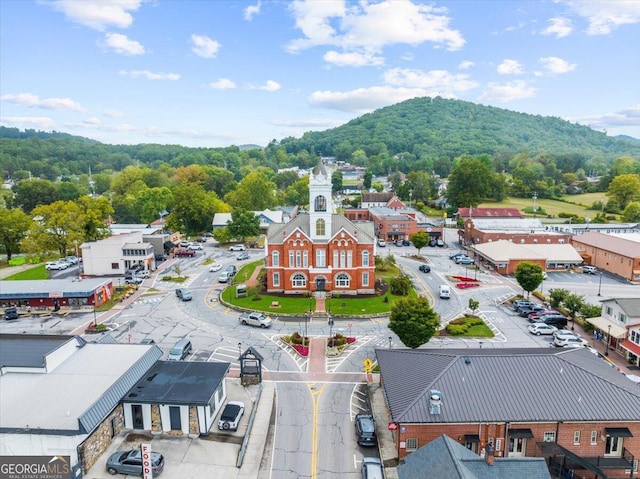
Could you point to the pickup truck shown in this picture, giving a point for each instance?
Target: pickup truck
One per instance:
(184, 252)
(255, 319)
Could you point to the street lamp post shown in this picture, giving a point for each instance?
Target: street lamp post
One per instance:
(239, 350)
(600, 284)
(534, 197)
(389, 342)
(606, 352)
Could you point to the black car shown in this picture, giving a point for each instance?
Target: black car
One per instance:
(366, 430)
(11, 313)
(425, 268)
(130, 462)
(518, 305)
(406, 242)
(525, 312)
(558, 321)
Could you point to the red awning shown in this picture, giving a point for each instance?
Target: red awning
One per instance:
(629, 346)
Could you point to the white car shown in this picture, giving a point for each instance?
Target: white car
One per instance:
(541, 328)
(215, 267)
(573, 342)
(56, 265)
(237, 247)
(231, 415)
(195, 247)
(564, 333)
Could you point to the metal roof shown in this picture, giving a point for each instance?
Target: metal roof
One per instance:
(29, 350)
(444, 458)
(278, 232)
(42, 288)
(630, 306)
(495, 384)
(614, 244)
(178, 382)
(78, 394)
(505, 251)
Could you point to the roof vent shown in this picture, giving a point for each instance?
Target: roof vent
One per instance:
(467, 360)
(435, 401)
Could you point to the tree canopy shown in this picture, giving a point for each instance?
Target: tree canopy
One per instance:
(414, 321)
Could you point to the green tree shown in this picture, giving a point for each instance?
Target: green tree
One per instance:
(194, 208)
(14, 227)
(573, 303)
(96, 213)
(631, 212)
(243, 223)
(625, 189)
(255, 192)
(528, 275)
(366, 180)
(470, 182)
(336, 181)
(58, 227)
(474, 305)
(420, 240)
(590, 310)
(414, 321)
(31, 193)
(557, 296)
(400, 285)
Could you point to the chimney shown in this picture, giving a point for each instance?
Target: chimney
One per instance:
(489, 454)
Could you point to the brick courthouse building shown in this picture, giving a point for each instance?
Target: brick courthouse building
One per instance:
(320, 250)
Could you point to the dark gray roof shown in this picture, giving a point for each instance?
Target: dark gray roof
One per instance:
(444, 458)
(29, 351)
(42, 288)
(494, 384)
(320, 169)
(178, 382)
(278, 232)
(631, 306)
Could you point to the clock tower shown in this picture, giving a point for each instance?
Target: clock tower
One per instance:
(321, 208)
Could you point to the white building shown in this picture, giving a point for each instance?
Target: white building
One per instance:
(116, 254)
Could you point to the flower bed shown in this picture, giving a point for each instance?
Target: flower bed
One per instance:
(462, 278)
(301, 350)
(466, 285)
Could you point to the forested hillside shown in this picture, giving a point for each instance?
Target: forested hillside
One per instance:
(439, 127)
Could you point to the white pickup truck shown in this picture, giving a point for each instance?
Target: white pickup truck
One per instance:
(255, 319)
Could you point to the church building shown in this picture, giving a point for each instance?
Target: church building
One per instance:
(321, 250)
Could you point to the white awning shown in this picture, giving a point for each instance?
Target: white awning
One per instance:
(603, 324)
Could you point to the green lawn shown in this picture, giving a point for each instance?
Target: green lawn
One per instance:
(573, 204)
(37, 272)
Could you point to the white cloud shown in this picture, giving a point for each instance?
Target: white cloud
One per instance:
(270, 85)
(31, 100)
(364, 100)
(606, 15)
(98, 14)
(308, 123)
(510, 67)
(560, 27)
(223, 84)
(42, 122)
(556, 65)
(506, 92)
(465, 65)
(371, 26)
(353, 59)
(92, 121)
(626, 117)
(441, 82)
(204, 46)
(122, 44)
(111, 113)
(252, 10)
(150, 75)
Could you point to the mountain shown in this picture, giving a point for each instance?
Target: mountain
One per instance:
(440, 127)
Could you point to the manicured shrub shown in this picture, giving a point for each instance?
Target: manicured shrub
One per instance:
(457, 329)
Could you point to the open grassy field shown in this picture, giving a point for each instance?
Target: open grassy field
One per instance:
(573, 204)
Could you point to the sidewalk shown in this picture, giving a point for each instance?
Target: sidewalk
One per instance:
(614, 357)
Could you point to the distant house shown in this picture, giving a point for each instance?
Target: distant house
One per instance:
(619, 255)
(267, 217)
(619, 324)
(446, 458)
(373, 199)
(566, 405)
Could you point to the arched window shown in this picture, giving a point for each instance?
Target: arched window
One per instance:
(365, 258)
(320, 203)
(342, 280)
(275, 258)
(320, 227)
(298, 280)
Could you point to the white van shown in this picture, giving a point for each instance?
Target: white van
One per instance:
(445, 291)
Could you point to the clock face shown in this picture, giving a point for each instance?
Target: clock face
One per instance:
(320, 178)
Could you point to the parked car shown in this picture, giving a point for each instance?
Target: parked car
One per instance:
(432, 243)
(183, 243)
(371, 468)
(56, 265)
(184, 294)
(195, 247)
(130, 462)
(201, 239)
(11, 313)
(71, 259)
(143, 273)
(541, 328)
(231, 415)
(525, 312)
(406, 242)
(465, 261)
(255, 319)
(231, 270)
(460, 258)
(215, 267)
(365, 430)
(242, 256)
(564, 333)
(133, 280)
(562, 342)
(589, 269)
(440, 243)
(399, 243)
(425, 268)
(557, 321)
(543, 312)
(453, 256)
(522, 304)
(237, 247)
(382, 243)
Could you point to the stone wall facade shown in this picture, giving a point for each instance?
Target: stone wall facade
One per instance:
(100, 439)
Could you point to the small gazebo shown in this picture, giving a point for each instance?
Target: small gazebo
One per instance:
(250, 367)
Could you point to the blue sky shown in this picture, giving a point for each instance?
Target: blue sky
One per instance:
(216, 73)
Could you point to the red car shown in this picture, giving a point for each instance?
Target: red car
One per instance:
(537, 314)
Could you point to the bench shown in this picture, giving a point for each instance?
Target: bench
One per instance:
(274, 304)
